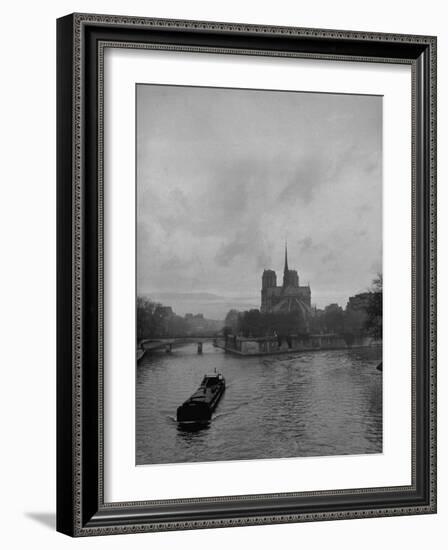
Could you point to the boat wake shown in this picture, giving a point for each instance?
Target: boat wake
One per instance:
(236, 408)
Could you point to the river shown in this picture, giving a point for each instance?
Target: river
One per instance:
(300, 404)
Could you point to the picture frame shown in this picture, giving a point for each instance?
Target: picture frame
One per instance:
(81, 506)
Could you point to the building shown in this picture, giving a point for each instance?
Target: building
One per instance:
(197, 324)
(288, 297)
(356, 312)
(360, 302)
(164, 312)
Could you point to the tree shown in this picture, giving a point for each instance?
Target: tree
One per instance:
(377, 283)
(231, 322)
(355, 321)
(253, 323)
(149, 323)
(177, 326)
(334, 318)
(374, 310)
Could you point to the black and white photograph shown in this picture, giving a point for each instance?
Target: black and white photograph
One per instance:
(246, 267)
(258, 274)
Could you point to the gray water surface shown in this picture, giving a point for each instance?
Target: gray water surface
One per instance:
(304, 404)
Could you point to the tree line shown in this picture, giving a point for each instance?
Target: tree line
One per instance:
(154, 320)
(157, 321)
(353, 321)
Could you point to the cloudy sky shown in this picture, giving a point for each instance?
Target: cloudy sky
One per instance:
(224, 176)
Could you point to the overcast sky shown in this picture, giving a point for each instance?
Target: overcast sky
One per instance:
(225, 176)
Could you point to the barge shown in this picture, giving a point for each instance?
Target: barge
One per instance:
(200, 406)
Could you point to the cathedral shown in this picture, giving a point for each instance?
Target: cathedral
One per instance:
(288, 297)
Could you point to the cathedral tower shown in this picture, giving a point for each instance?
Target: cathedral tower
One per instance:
(290, 296)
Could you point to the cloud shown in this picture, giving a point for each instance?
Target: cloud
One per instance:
(224, 176)
(245, 243)
(305, 244)
(309, 175)
(330, 257)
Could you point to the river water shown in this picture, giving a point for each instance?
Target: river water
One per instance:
(299, 404)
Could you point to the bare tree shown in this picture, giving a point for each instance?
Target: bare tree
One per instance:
(374, 321)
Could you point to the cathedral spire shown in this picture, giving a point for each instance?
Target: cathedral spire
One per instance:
(286, 268)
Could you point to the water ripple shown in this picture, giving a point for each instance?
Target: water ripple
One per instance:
(309, 404)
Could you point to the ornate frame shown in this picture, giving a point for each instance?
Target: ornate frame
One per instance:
(81, 39)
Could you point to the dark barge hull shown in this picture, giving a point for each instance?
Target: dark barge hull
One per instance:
(200, 406)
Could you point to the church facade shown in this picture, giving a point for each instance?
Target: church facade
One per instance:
(288, 297)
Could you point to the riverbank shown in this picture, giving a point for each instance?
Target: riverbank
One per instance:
(254, 347)
(289, 350)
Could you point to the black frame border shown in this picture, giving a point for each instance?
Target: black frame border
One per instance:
(81, 39)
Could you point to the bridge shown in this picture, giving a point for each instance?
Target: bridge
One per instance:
(168, 343)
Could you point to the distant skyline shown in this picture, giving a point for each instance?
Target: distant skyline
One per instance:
(224, 176)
